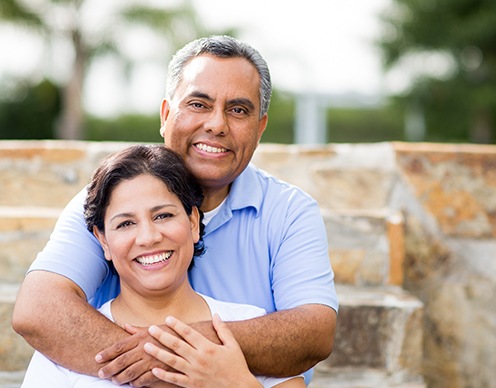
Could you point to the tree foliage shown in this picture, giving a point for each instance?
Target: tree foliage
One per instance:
(460, 103)
(69, 23)
(30, 112)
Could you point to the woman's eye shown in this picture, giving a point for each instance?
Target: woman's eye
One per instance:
(124, 224)
(163, 216)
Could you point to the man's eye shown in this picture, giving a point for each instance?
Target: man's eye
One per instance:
(239, 110)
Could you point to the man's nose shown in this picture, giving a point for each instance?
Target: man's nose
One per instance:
(217, 123)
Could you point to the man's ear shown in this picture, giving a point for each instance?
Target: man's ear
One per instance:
(164, 113)
(194, 220)
(262, 125)
(103, 242)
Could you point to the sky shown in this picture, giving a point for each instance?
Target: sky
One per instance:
(323, 46)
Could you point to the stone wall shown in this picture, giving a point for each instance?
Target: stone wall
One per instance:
(421, 216)
(447, 197)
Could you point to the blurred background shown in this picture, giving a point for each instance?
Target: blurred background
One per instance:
(357, 71)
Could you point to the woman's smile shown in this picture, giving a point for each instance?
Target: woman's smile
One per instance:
(152, 260)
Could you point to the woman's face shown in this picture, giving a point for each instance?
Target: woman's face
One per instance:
(148, 236)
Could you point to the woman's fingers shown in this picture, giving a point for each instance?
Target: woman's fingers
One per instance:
(171, 377)
(223, 332)
(196, 360)
(190, 335)
(168, 358)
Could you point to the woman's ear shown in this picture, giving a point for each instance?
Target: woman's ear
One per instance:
(103, 242)
(194, 220)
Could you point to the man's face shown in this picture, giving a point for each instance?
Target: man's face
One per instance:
(213, 119)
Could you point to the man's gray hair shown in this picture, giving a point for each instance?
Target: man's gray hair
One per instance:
(221, 46)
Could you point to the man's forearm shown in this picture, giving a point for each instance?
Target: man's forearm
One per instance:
(53, 317)
(284, 343)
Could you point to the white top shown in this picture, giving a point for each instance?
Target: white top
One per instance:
(43, 373)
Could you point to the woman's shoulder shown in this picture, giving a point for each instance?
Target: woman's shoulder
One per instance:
(229, 311)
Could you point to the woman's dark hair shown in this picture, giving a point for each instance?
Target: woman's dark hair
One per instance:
(156, 160)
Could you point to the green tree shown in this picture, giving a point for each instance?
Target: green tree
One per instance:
(69, 22)
(29, 111)
(460, 103)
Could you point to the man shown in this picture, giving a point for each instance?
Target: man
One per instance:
(266, 242)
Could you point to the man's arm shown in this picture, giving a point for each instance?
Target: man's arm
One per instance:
(293, 340)
(283, 343)
(52, 315)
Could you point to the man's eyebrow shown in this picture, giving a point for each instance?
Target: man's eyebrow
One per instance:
(242, 101)
(235, 101)
(202, 95)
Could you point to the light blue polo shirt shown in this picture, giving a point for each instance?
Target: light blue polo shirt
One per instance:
(266, 247)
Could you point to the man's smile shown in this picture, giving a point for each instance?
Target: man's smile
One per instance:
(210, 149)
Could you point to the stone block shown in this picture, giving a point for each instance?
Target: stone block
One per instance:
(15, 353)
(455, 184)
(366, 246)
(47, 173)
(377, 329)
(40, 173)
(23, 233)
(336, 175)
(11, 379)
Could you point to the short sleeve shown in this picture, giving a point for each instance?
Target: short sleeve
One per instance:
(72, 251)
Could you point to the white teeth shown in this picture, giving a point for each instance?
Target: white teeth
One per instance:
(211, 149)
(149, 260)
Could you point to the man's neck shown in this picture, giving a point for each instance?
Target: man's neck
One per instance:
(213, 197)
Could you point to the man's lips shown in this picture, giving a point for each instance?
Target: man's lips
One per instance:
(210, 149)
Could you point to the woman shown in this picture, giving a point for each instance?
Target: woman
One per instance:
(143, 207)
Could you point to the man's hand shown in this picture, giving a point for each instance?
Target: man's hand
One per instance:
(127, 362)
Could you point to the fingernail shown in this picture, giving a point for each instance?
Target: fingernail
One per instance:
(148, 347)
(152, 329)
(98, 358)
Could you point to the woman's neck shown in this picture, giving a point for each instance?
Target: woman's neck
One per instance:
(145, 310)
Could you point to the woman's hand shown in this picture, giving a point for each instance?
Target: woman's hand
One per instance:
(198, 361)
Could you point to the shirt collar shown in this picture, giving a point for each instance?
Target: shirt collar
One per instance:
(245, 190)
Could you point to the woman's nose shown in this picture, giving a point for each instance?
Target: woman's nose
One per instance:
(148, 234)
